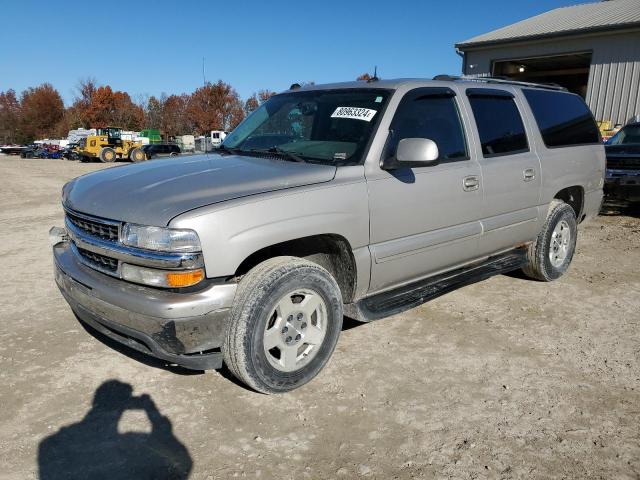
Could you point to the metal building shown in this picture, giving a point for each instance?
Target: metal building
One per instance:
(593, 49)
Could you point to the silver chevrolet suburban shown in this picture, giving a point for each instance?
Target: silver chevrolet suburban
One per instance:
(357, 199)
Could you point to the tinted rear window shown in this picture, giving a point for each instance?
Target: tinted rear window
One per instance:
(499, 125)
(563, 118)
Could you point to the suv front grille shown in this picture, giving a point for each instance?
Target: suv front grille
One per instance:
(623, 163)
(99, 262)
(94, 227)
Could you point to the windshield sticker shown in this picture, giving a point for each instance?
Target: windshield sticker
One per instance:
(378, 99)
(340, 156)
(354, 113)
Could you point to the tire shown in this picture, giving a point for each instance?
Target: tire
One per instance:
(137, 155)
(550, 255)
(174, 154)
(270, 307)
(107, 155)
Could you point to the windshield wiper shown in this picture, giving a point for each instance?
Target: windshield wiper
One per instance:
(222, 149)
(284, 153)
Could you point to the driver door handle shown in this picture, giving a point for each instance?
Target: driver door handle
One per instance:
(529, 174)
(470, 183)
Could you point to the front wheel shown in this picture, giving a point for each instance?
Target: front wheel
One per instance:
(107, 155)
(284, 324)
(550, 255)
(137, 155)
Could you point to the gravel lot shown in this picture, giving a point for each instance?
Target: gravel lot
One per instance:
(507, 378)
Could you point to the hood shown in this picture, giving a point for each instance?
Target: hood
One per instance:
(154, 192)
(630, 149)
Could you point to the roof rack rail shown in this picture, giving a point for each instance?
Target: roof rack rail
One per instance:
(500, 80)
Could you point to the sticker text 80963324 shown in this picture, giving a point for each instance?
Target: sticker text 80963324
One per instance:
(354, 113)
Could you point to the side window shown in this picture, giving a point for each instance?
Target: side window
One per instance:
(563, 118)
(430, 113)
(499, 122)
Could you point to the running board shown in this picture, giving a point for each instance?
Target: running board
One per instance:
(410, 296)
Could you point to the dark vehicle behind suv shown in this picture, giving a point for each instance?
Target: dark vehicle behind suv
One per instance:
(154, 150)
(623, 164)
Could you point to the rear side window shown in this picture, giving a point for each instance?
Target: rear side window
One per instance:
(563, 118)
(430, 113)
(499, 122)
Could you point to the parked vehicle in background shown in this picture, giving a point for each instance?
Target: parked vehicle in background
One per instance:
(31, 151)
(156, 150)
(70, 152)
(623, 164)
(187, 143)
(13, 149)
(108, 146)
(357, 199)
(217, 137)
(41, 151)
(152, 134)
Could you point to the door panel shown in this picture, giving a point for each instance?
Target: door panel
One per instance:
(510, 170)
(511, 213)
(423, 222)
(425, 219)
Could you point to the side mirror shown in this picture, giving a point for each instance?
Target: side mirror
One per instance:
(413, 152)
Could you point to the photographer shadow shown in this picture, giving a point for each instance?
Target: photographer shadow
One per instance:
(93, 448)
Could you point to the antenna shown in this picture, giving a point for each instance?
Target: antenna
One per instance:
(375, 75)
(204, 80)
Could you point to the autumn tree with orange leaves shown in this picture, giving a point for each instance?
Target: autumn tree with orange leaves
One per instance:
(252, 103)
(41, 110)
(215, 106)
(9, 117)
(107, 107)
(175, 119)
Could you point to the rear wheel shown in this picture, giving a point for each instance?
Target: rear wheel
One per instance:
(550, 255)
(107, 155)
(137, 155)
(284, 324)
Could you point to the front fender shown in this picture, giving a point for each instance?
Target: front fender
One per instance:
(231, 231)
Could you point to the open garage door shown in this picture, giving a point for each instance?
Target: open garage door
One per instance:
(569, 70)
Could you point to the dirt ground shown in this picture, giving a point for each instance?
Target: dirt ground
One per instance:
(507, 378)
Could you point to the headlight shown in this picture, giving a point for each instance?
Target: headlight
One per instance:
(161, 278)
(159, 238)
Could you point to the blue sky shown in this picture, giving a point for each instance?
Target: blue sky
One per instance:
(249, 44)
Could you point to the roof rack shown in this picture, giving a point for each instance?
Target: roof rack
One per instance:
(500, 80)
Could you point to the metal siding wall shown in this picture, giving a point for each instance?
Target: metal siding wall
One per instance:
(613, 91)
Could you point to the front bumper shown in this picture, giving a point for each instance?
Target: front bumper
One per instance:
(181, 328)
(623, 185)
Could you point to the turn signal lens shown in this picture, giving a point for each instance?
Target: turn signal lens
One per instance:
(161, 278)
(184, 279)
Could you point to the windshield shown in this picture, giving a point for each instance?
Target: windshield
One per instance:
(324, 126)
(629, 134)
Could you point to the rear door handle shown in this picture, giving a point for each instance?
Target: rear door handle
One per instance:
(471, 183)
(529, 174)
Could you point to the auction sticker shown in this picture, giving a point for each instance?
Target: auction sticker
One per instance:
(354, 113)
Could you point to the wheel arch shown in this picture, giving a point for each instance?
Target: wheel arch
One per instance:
(574, 197)
(331, 251)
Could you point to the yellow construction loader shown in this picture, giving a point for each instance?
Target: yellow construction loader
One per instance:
(108, 146)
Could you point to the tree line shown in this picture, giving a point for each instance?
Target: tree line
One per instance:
(39, 112)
